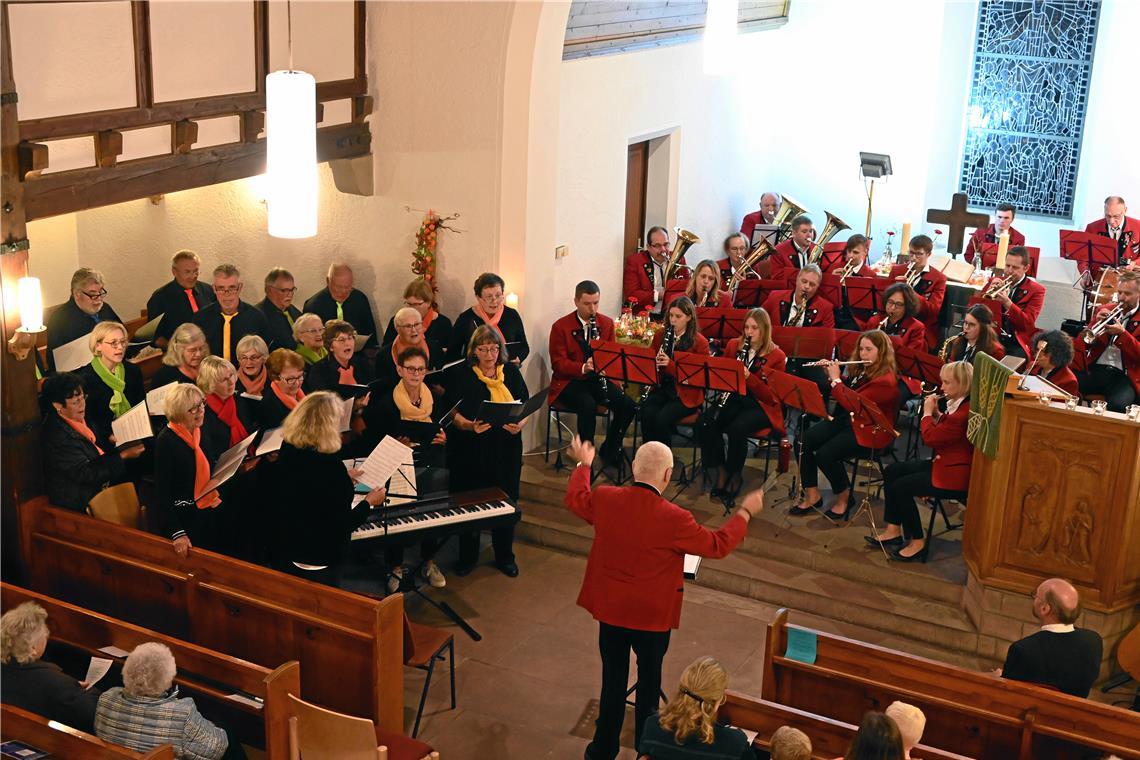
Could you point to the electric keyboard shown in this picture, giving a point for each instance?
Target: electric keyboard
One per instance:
(430, 518)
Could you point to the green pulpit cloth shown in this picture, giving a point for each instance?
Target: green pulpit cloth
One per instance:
(987, 397)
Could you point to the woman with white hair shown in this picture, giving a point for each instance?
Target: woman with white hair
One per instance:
(146, 712)
(113, 386)
(911, 723)
(31, 684)
(252, 352)
(228, 418)
(686, 727)
(309, 331)
(184, 354)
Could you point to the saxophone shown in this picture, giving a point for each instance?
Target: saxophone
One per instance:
(741, 355)
(596, 334)
(945, 352)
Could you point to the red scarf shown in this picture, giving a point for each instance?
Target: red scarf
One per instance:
(227, 413)
(83, 430)
(398, 346)
(255, 386)
(290, 402)
(492, 322)
(201, 466)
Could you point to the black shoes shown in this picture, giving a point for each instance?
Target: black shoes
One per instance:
(898, 556)
(509, 568)
(890, 543)
(801, 511)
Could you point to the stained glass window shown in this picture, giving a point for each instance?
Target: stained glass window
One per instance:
(1026, 114)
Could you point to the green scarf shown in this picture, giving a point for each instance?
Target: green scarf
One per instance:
(117, 382)
(311, 356)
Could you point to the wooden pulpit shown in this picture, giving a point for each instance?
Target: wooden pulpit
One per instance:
(1062, 498)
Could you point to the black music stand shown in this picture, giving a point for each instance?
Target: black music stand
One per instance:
(750, 294)
(1092, 254)
(720, 323)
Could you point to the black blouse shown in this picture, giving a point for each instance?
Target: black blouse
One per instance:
(99, 415)
(510, 323)
(439, 331)
(74, 470)
(325, 374)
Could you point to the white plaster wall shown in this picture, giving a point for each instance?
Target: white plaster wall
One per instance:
(54, 256)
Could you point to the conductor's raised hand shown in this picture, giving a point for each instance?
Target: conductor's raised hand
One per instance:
(583, 451)
(753, 502)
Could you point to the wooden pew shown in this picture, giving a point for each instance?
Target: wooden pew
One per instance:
(829, 738)
(206, 675)
(967, 712)
(226, 605)
(63, 741)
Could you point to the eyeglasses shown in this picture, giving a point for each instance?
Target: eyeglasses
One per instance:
(114, 343)
(95, 296)
(410, 326)
(227, 290)
(486, 350)
(412, 303)
(79, 395)
(292, 379)
(198, 407)
(312, 331)
(492, 298)
(895, 304)
(250, 358)
(415, 370)
(194, 350)
(290, 291)
(345, 338)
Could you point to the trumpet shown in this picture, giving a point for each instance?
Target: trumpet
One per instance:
(998, 286)
(825, 362)
(1096, 330)
(850, 268)
(685, 241)
(741, 355)
(760, 251)
(912, 274)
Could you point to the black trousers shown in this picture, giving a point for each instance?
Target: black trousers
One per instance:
(660, 413)
(583, 396)
(740, 418)
(614, 644)
(1109, 382)
(826, 444)
(902, 482)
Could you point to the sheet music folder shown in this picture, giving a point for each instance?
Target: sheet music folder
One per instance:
(499, 414)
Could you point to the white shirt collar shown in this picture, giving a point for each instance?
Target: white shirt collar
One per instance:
(952, 406)
(1058, 628)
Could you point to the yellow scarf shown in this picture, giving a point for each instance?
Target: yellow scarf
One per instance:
(498, 388)
(408, 410)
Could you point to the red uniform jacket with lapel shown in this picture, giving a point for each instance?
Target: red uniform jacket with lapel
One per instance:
(820, 311)
(638, 280)
(908, 331)
(931, 290)
(1128, 343)
(1100, 227)
(748, 224)
(1063, 378)
(1021, 318)
(953, 452)
(634, 575)
(690, 397)
(758, 388)
(883, 392)
(566, 354)
(787, 261)
(984, 235)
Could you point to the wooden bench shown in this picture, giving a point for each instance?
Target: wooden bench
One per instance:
(63, 741)
(829, 738)
(971, 713)
(350, 647)
(209, 677)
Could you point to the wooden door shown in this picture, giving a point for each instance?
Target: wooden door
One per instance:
(636, 175)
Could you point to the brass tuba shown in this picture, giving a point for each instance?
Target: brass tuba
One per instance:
(685, 241)
(834, 226)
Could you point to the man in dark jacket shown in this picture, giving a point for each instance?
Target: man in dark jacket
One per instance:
(278, 308)
(181, 298)
(85, 309)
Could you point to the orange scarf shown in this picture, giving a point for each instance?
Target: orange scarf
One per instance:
(398, 346)
(83, 430)
(492, 322)
(432, 314)
(290, 402)
(256, 386)
(201, 466)
(347, 374)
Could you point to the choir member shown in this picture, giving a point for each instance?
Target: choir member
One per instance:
(479, 455)
(420, 296)
(228, 417)
(181, 298)
(229, 319)
(978, 335)
(184, 354)
(79, 315)
(928, 283)
(340, 300)
(575, 383)
(1003, 223)
(342, 366)
(643, 276)
(1114, 357)
(1053, 352)
(309, 331)
(1020, 305)
(490, 309)
(899, 317)
(252, 374)
(793, 254)
(769, 204)
(409, 327)
(802, 306)
(78, 463)
(945, 475)
(735, 251)
(278, 308)
(704, 288)
(113, 386)
(828, 443)
(667, 403)
(286, 379)
(743, 416)
(1122, 228)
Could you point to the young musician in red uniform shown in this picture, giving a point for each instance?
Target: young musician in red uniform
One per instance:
(1122, 228)
(801, 307)
(978, 335)
(705, 286)
(1020, 304)
(743, 416)
(929, 284)
(828, 442)
(1114, 357)
(667, 403)
(854, 264)
(792, 254)
(947, 475)
(1003, 222)
(634, 583)
(575, 384)
(769, 205)
(898, 319)
(1053, 350)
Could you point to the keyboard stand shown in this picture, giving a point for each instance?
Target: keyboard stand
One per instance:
(410, 582)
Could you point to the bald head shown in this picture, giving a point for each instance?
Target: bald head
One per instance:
(769, 204)
(1056, 601)
(653, 465)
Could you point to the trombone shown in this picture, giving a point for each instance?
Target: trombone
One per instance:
(1095, 331)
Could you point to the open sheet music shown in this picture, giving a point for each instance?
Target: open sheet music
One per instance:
(500, 413)
(228, 464)
(156, 400)
(271, 441)
(145, 334)
(71, 356)
(133, 426)
(383, 462)
(346, 415)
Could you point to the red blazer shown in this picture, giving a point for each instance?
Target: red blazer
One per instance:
(634, 574)
(1063, 378)
(690, 397)
(958, 351)
(984, 235)
(1128, 343)
(883, 392)
(775, 360)
(1021, 318)
(931, 289)
(820, 311)
(566, 354)
(638, 280)
(953, 452)
(1100, 227)
(786, 262)
(908, 331)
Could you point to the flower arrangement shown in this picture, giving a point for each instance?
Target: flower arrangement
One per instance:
(424, 256)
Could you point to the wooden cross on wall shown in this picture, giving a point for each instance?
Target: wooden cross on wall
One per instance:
(957, 218)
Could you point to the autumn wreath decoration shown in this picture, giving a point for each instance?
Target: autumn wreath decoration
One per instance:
(424, 256)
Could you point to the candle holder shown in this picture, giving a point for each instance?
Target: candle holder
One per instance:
(1098, 407)
(1071, 403)
(1133, 412)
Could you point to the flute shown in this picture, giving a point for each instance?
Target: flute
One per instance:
(825, 362)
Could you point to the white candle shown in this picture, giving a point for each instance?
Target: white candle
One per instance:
(904, 246)
(513, 300)
(1003, 245)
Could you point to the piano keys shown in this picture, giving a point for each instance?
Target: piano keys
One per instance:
(438, 517)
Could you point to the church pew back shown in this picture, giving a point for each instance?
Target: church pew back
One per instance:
(967, 712)
(227, 605)
(202, 673)
(63, 741)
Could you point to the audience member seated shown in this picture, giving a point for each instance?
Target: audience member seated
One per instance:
(278, 308)
(1059, 655)
(146, 711)
(340, 300)
(704, 288)
(1054, 351)
(490, 309)
(252, 374)
(230, 319)
(342, 366)
(113, 386)
(286, 379)
(184, 354)
(309, 332)
(878, 738)
(77, 463)
(910, 722)
(79, 315)
(181, 298)
(686, 729)
(34, 685)
(419, 295)
(789, 743)
(410, 333)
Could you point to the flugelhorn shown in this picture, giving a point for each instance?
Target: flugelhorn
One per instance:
(685, 241)
(761, 250)
(1096, 330)
(834, 226)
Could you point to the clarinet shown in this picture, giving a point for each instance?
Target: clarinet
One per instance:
(741, 355)
(667, 348)
(595, 334)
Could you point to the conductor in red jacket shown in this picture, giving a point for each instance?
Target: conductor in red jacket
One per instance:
(634, 576)
(947, 475)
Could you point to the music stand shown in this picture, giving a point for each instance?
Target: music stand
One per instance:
(712, 373)
(804, 342)
(833, 255)
(865, 294)
(625, 363)
(924, 367)
(989, 257)
(846, 342)
(993, 305)
(830, 288)
(769, 232)
(720, 323)
(798, 393)
(867, 414)
(1091, 252)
